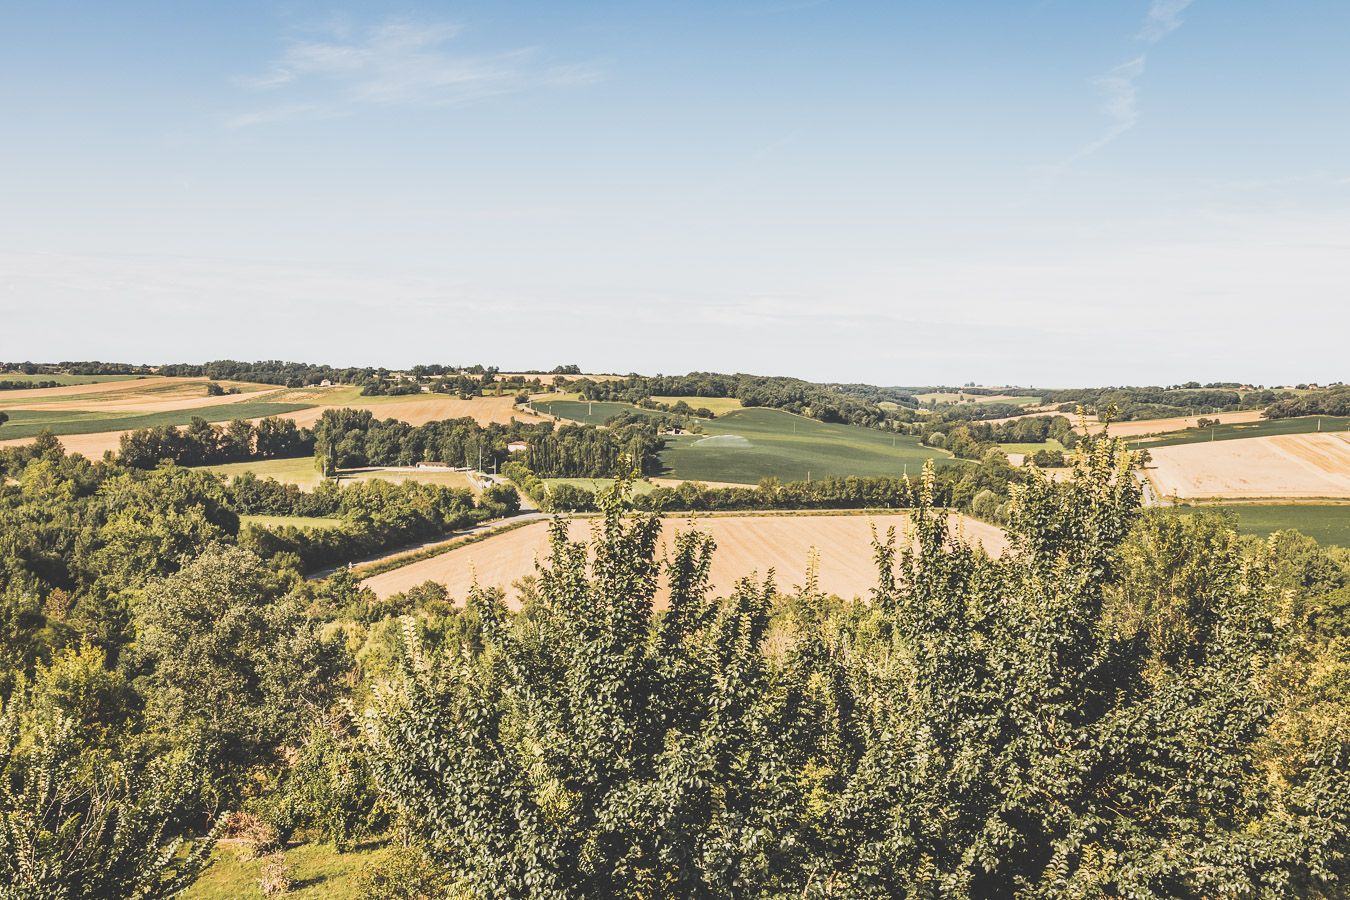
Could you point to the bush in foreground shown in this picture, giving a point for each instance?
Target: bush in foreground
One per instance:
(1030, 725)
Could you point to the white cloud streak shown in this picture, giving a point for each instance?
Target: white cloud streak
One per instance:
(396, 63)
(1120, 86)
(1164, 17)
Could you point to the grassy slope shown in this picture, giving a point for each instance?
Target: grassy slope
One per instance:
(1326, 522)
(27, 423)
(318, 871)
(1267, 428)
(782, 445)
(298, 471)
(596, 485)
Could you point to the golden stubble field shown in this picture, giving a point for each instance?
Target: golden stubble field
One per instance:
(1167, 426)
(155, 394)
(1295, 466)
(415, 409)
(746, 544)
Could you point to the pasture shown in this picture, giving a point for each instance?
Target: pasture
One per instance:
(1309, 466)
(747, 445)
(1328, 523)
(1229, 431)
(746, 543)
(596, 485)
(299, 471)
(318, 872)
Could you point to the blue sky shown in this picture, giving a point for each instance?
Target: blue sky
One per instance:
(1030, 192)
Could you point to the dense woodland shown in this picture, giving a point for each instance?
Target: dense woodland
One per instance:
(791, 394)
(1332, 402)
(202, 443)
(1126, 704)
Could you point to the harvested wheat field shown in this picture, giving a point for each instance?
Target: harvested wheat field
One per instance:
(745, 544)
(1292, 466)
(107, 391)
(415, 409)
(192, 397)
(88, 445)
(1167, 426)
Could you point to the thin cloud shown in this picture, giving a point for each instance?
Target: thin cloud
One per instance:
(1121, 104)
(1120, 86)
(396, 63)
(1164, 17)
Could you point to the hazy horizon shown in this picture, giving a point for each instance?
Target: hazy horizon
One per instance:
(1033, 193)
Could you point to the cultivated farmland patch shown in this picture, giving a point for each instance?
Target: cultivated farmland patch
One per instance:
(745, 544)
(1284, 466)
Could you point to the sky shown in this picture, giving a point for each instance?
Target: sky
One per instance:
(1034, 192)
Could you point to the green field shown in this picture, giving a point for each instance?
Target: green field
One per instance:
(749, 444)
(1328, 523)
(322, 522)
(317, 871)
(588, 412)
(27, 423)
(69, 379)
(298, 471)
(1266, 428)
(596, 485)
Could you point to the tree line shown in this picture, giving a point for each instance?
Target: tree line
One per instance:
(982, 488)
(346, 438)
(775, 392)
(1334, 401)
(202, 443)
